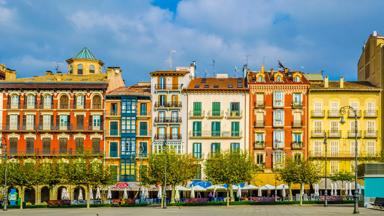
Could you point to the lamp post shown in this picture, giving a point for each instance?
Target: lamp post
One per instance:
(165, 174)
(3, 148)
(325, 170)
(343, 110)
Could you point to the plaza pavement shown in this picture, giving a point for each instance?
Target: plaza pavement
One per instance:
(260, 210)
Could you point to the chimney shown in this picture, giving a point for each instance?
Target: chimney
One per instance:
(192, 68)
(326, 82)
(342, 82)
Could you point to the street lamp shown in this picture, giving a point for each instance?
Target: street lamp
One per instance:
(3, 149)
(343, 110)
(165, 175)
(325, 170)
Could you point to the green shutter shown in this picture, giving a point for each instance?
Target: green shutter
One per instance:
(215, 108)
(215, 129)
(235, 126)
(196, 108)
(196, 128)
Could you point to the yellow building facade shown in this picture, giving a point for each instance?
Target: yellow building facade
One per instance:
(327, 132)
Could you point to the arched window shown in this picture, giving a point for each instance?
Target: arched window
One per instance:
(296, 79)
(96, 102)
(260, 79)
(92, 69)
(278, 79)
(64, 101)
(31, 101)
(80, 69)
(14, 101)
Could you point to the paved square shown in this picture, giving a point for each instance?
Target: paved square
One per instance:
(204, 211)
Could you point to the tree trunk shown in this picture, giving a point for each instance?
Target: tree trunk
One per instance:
(87, 195)
(173, 194)
(231, 197)
(227, 197)
(290, 191)
(21, 196)
(301, 193)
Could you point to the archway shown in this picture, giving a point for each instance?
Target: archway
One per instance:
(29, 195)
(76, 193)
(60, 191)
(44, 194)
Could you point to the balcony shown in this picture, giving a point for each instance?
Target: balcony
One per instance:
(144, 115)
(278, 123)
(344, 154)
(351, 114)
(317, 133)
(196, 115)
(215, 114)
(370, 113)
(370, 134)
(277, 144)
(168, 105)
(297, 124)
(113, 114)
(144, 133)
(353, 134)
(297, 105)
(259, 124)
(259, 145)
(234, 114)
(52, 153)
(333, 114)
(168, 120)
(317, 113)
(297, 145)
(259, 104)
(278, 165)
(167, 88)
(334, 134)
(167, 137)
(215, 134)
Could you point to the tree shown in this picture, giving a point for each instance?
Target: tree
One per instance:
(342, 176)
(307, 173)
(289, 174)
(229, 168)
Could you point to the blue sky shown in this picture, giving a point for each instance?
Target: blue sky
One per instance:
(138, 35)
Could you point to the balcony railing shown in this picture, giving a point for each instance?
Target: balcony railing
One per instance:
(297, 124)
(196, 115)
(259, 123)
(167, 87)
(351, 114)
(370, 113)
(168, 120)
(168, 105)
(334, 134)
(353, 134)
(344, 154)
(53, 153)
(317, 133)
(215, 134)
(167, 137)
(317, 113)
(370, 134)
(278, 144)
(234, 114)
(259, 145)
(215, 114)
(297, 145)
(259, 104)
(278, 123)
(333, 114)
(297, 105)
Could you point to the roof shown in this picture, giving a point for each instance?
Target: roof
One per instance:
(287, 77)
(60, 77)
(135, 90)
(348, 85)
(54, 86)
(313, 76)
(85, 53)
(214, 84)
(169, 73)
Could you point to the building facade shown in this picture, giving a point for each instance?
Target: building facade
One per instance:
(169, 107)
(129, 130)
(278, 119)
(325, 100)
(217, 110)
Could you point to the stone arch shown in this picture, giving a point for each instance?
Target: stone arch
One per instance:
(44, 194)
(59, 191)
(76, 192)
(30, 195)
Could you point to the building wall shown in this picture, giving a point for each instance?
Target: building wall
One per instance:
(343, 159)
(113, 162)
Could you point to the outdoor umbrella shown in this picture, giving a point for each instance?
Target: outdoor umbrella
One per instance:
(63, 194)
(98, 195)
(159, 194)
(335, 189)
(346, 188)
(177, 195)
(350, 189)
(283, 192)
(331, 189)
(259, 194)
(90, 194)
(142, 193)
(249, 187)
(238, 194)
(80, 194)
(192, 192)
(146, 193)
(125, 194)
(109, 194)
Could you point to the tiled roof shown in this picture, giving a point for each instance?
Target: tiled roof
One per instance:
(135, 90)
(85, 53)
(269, 77)
(60, 77)
(348, 85)
(210, 83)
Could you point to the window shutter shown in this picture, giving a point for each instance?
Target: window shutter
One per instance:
(90, 122)
(75, 102)
(24, 121)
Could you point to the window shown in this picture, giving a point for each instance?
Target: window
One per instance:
(278, 99)
(96, 102)
(47, 122)
(260, 78)
(371, 127)
(235, 129)
(235, 109)
(297, 157)
(318, 108)
(79, 145)
(128, 106)
(196, 149)
(162, 100)
(161, 133)
(128, 146)
(297, 99)
(196, 128)
(30, 101)
(30, 145)
(259, 159)
(113, 109)
(46, 146)
(317, 148)
(80, 101)
(334, 148)
(260, 119)
(47, 102)
(114, 174)
(196, 108)
(143, 129)
(15, 101)
(13, 146)
(80, 122)
(334, 108)
(215, 128)
(278, 139)
(296, 79)
(354, 128)
(79, 69)
(30, 122)
(143, 149)
(91, 69)
(113, 129)
(235, 147)
(297, 138)
(63, 122)
(96, 122)
(318, 125)
(215, 148)
(371, 109)
(128, 125)
(175, 133)
(215, 108)
(278, 118)
(198, 172)
(143, 109)
(296, 119)
(260, 138)
(161, 116)
(259, 99)
(334, 167)
(95, 146)
(352, 146)
(63, 145)
(334, 127)
(371, 150)
(162, 83)
(64, 101)
(278, 158)
(113, 151)
(13, 122)
(279, 79)
(175, 116)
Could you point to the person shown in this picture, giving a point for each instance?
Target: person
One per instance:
(210, 196)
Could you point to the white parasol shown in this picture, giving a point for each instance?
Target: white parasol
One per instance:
(331, 189)
(192, 192)
(238, 194)
(159, 194)
(98, 195)
(90, 194)
(346, 188)
(109, 194)
(350, 189)
(259, 194)
(125, 194)
(80, 194)
(335, 189)
(177, 195)
(283, 191)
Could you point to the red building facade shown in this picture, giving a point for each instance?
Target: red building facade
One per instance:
(278, 119)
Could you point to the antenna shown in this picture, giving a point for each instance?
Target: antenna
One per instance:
(247, 58)
(213, 67)
(170, 58)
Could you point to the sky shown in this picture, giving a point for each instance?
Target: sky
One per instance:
(141, 36)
